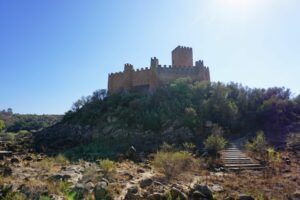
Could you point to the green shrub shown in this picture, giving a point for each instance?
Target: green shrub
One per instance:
(59, 188)
(2, 125)
(23, 132)
(14, 196)
(189, 147)
(172, 164)
(44, 198)
(107, 166)
(165, 147)
(214, 143)
(258, 145)
(10, 136)
(61, 159)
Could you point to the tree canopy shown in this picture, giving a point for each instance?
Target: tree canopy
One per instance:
(235, 108)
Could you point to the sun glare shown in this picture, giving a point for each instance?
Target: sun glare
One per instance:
(243, 4)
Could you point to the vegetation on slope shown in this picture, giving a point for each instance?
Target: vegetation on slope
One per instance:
(29, 122)
(233, 107)
(120, 120)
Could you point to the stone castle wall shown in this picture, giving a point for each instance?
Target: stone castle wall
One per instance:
(157, 75)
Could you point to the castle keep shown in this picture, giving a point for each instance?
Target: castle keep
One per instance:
(150, 78)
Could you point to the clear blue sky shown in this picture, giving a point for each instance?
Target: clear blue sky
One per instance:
(54, 51)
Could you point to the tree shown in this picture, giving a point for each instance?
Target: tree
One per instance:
(77, 105)
(297, 99)
(215, 142)
(2, 125)
(99, 95)
(10, 111)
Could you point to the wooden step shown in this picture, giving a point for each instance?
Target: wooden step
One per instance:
(234, 159)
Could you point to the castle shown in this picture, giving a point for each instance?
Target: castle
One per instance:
(149, 79)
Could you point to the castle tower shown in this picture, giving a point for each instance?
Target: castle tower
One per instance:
(128, 71)
(153, 83)
(182, 56)
(154, 62)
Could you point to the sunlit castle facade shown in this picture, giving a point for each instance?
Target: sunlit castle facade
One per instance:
(150, 78)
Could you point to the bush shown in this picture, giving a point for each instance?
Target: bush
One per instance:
(59, 188)
(61, 159)
(23, 132)
(165, 147)
(258, 145)
(214, 143)
(44, 198)
(172, 164)
(108, 166)
(2, 125)
(189, 147)
(14, 196)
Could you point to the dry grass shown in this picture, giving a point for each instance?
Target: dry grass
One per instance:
(171, 164)
(276, 187)
(47, 164)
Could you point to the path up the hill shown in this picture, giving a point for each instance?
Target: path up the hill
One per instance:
(234, 159)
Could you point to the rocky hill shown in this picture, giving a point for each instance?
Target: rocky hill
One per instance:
(183, 111)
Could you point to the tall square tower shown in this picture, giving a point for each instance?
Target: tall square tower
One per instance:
(182, 56)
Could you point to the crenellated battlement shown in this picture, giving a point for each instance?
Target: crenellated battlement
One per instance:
(149, 78)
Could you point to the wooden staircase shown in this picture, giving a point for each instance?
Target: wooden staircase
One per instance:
(234, 159)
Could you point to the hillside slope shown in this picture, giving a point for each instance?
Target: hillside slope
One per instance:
(183, 111)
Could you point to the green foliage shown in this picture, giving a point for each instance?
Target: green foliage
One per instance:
(44, 198)
(258, 145)
(9, 136)
(139, 119)
(232, 106)
(17, 122)
(14, 196)
(61, 159)
(71, 196)
(215, 142)
(64, 187)
(2, 125)
(189, 147)
(165, 147)
(107, 166)
(23, 132)
(172, 164)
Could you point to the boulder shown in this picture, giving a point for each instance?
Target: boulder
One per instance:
(295, 195)
(89, 186)
(217, 188)
(133, 190)
(196, 195)
(201, 192)
(177, 194)
(100, 191)
(156, 196)
(131, 153)
(146, 182)
(244, 197)
(28, 158)
(5, 154)
(14, 160)
(139, 170)
(229, 198)
(132, 195)
(5, 171)
(59, 177)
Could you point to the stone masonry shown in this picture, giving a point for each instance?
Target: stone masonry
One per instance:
(150, 78)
